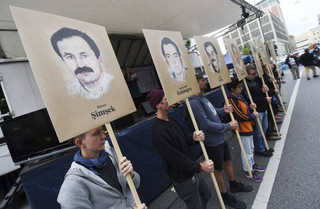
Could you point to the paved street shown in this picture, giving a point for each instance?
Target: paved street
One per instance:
(292, 178)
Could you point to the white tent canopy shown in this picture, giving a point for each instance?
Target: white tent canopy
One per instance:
(191, 17)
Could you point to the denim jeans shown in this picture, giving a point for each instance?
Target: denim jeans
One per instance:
(248, 146)
(194, 192)
(259, 145)
(271, 126)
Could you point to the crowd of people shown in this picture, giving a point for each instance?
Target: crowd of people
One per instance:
(97, 172)
(308, 60)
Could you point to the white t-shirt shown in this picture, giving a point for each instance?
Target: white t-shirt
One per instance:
(292, 61)
(212, 108)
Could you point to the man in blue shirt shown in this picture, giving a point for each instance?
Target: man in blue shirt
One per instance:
(208, 120)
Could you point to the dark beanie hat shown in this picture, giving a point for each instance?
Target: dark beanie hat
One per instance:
(200, 75)
(155, 97)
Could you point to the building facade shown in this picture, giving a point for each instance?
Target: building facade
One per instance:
(271, 26)
(308, 38)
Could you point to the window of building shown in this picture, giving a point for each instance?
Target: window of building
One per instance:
(255, 33)
(253, 25)
(238, 41)
(266, 28)
(234, 34)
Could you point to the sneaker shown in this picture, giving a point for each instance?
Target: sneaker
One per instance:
(274, 138)
(315, 76)
(240, 187)
(277, 117)
(270, 150)
(257, 168)
(275, 134)
(264, 154)
(308, 78)
(233, 202)
(254, 177)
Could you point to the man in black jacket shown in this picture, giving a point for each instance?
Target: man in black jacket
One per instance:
(259, 98)
(307, 60)
(173, 146)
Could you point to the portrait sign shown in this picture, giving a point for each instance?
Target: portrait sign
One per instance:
(236, 58)
(213, 61)
(255, 54)
(272, 50)
(172, 64)
(76, 70)
(262, 50)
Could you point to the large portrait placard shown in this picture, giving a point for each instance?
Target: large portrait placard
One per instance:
(172, 64)
(272, 50)
(213, 61)
(236, 58)
(255, 54)
(262, 50)
(76, 70)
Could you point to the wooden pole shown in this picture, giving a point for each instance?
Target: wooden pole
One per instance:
(278, 94)
(258, 119)
(120, 156)
(237, 133)
(205, 154)
(271, 110)
(282, 89)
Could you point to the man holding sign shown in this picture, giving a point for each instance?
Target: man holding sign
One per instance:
(96, 179)
(173, 146)
(208, 119)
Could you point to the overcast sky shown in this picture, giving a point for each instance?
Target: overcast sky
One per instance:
(299, 15)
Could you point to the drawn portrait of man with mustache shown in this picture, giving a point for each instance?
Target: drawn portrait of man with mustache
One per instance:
(82, 56)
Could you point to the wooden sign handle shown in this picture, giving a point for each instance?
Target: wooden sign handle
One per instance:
(205, 154)
(237, 133)
(278, 94)
(282, 89)
(119, 155)
(258, 119)
(271, 110)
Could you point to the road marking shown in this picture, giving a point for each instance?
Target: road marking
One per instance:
(265, 189)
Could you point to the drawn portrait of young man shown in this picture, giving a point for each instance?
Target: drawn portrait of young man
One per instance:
(237, 56)
(214, 60)
(172, 55)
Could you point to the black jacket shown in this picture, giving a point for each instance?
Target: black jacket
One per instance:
(173, 146)
(258, 97)
(307, 59)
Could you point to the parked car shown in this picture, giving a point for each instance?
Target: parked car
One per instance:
(281, 63)
(282, 66)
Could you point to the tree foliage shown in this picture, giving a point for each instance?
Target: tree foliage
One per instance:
(246, 50)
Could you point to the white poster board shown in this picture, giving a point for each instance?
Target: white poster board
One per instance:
(76, 70)
(215, 66)
(172, 64)
(236, 58)
(255, 54)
